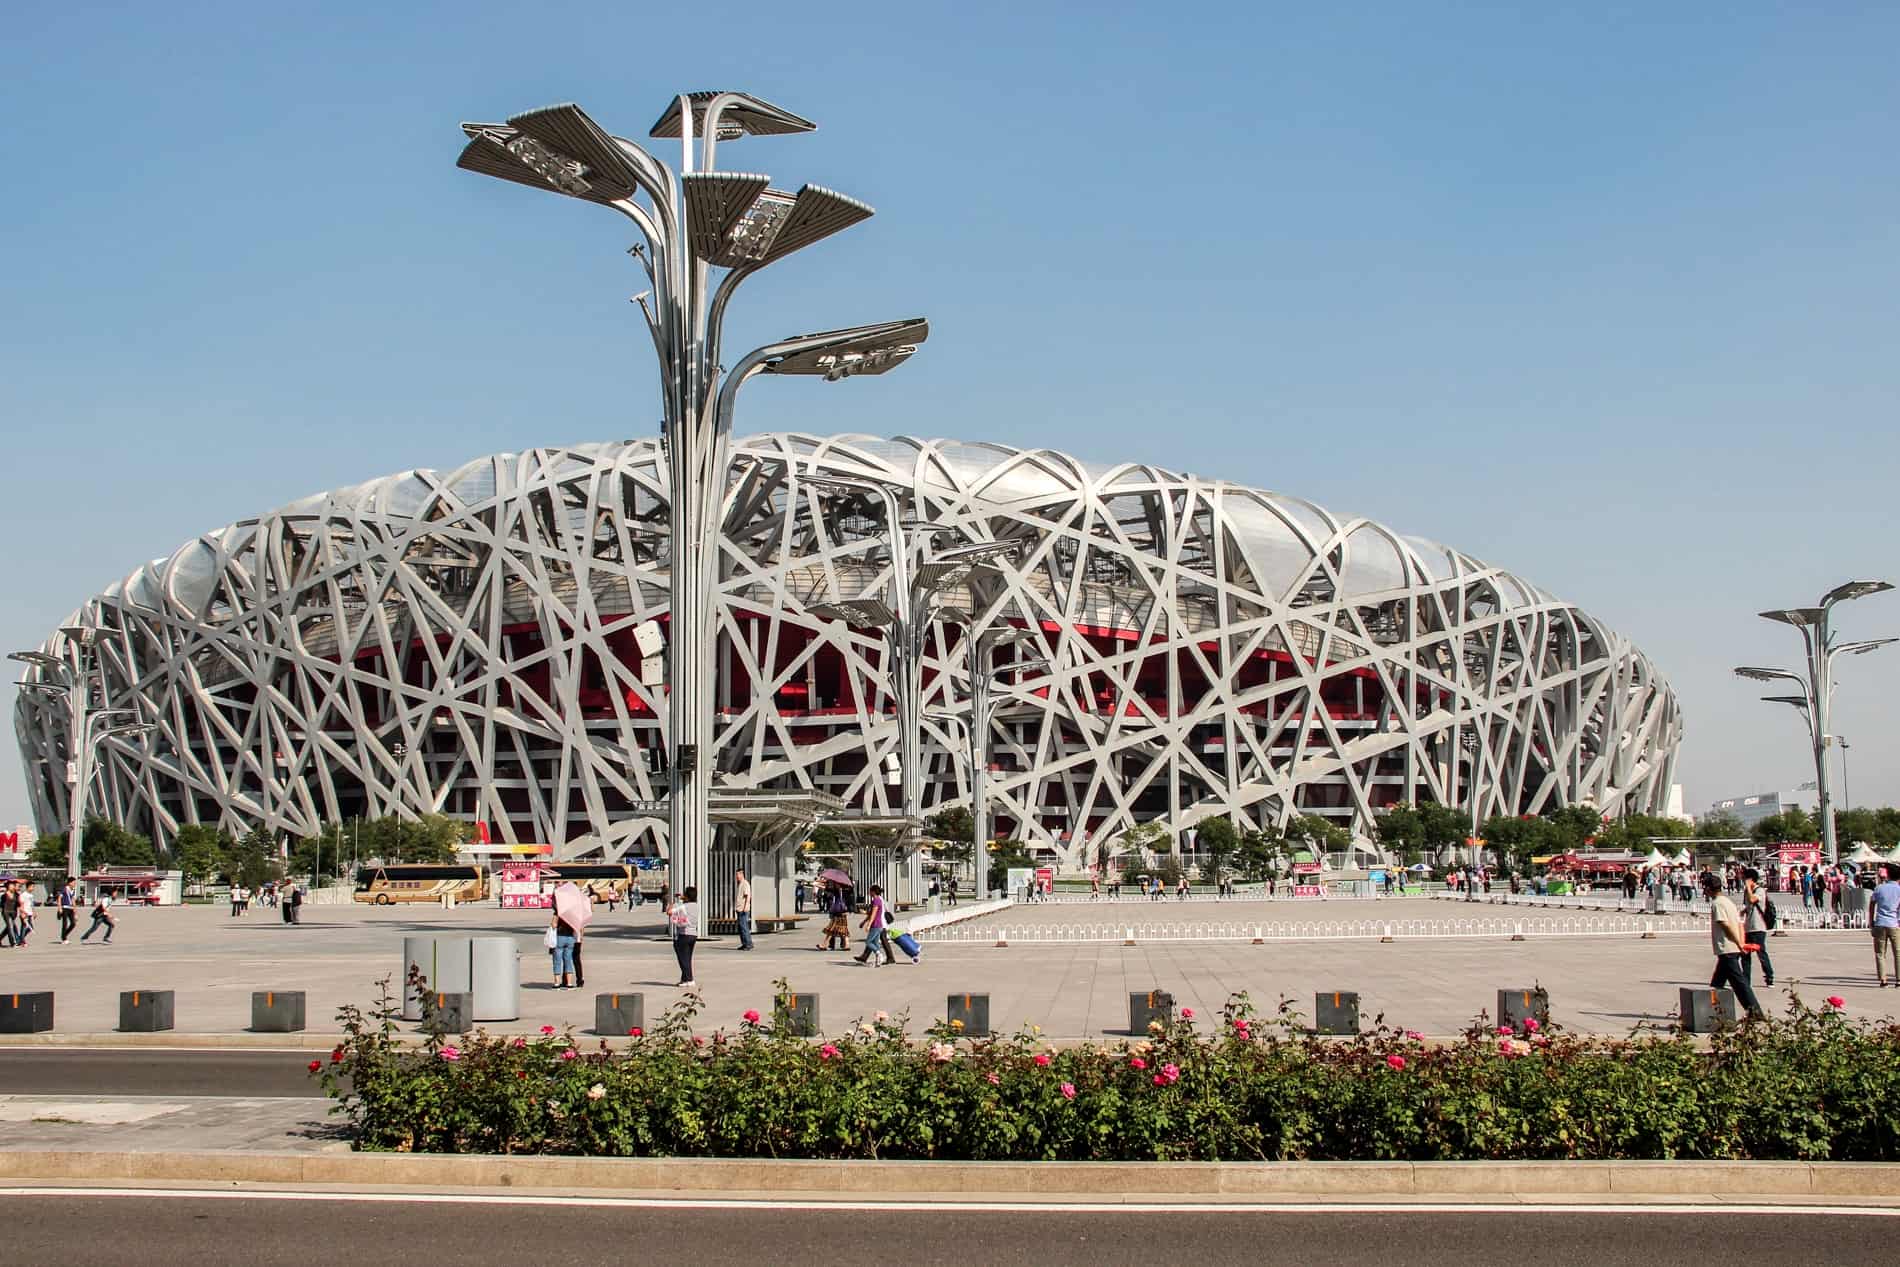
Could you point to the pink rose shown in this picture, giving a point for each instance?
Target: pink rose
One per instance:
(1396, 1062)
(1415, 1035)
(994, 1080)
(828, 1052)
(1136, 1062)
(1836, 1002)
(570, 1054)
(1531, 1024)
(1187, 1013)
(1171, 1071)
(315, 1065)
(751, 1016)
(1160, 1081)
(635, 1032)
(1505, 1031)
(520, 1043)
(547, 1029)
(451, 1053)
(1068, 1091)
(1042, 1059)
(1505, 1048)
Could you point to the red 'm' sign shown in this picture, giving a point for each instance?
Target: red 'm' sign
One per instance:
(9, 842)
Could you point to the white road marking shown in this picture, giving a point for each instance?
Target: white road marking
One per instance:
(817, 1201)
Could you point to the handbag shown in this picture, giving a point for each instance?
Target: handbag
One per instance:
(548, 938)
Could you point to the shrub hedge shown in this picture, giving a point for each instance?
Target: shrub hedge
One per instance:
(1815, 1084)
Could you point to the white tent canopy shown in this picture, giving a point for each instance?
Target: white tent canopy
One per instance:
(1656, 858)
(1863, 852)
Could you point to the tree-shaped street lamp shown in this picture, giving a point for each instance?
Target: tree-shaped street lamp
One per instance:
(693, 223)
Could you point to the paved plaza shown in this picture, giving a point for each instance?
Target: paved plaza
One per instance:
(1066, 967)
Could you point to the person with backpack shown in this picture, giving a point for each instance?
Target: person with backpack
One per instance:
(101, 918)
(1758, 917)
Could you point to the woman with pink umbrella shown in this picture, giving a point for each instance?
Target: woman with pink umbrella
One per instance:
(572, 911)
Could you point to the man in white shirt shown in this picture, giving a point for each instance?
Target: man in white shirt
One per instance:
(1727, 938)
(742, 907)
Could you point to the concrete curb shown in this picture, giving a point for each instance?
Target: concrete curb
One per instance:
(1024, 1182)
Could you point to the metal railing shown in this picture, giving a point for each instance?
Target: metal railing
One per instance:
(1129, 932)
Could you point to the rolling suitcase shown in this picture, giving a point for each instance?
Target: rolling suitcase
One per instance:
(907, 944)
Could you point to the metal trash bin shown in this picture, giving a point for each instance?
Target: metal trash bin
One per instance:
(445, 965)
(495, 978)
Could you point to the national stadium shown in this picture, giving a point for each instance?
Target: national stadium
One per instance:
(470, 643)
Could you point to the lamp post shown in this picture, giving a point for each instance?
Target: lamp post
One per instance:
(905, 622)
(984, 673)
(1816, 680)
(691, 223)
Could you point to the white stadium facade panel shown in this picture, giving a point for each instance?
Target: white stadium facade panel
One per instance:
(463, 643)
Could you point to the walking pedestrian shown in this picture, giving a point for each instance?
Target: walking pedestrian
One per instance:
(798, 898)
(838, 920)
(874, 922)
(27, 908)
(10, 913)
(683, 919)
(1883, 914)
(1754, 923)
(68, 903)
(1727, 937)
(742, 907)
(237, 900)
(101, 918)
(296, 903)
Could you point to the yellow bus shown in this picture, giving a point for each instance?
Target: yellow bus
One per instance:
(420, 882)
(596, 879)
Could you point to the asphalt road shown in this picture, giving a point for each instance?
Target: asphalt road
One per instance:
(153, 1071)
(189, 1230)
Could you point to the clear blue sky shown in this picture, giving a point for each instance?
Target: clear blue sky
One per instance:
(1608, 298)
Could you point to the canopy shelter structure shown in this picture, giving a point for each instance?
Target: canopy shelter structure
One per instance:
(1863, 854)
(758, 831)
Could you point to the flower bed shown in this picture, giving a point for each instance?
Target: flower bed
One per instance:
(1815, 1085)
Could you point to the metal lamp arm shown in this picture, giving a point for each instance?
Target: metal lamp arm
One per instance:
(716, 314)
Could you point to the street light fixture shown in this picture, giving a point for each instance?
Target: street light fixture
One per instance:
(905, 617)
(691, 223)
(1817, 681)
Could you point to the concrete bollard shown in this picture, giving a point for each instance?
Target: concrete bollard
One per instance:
(1386, 936)
(1148, 1007)
(454, 1011)
(973, 1010)
(798, 1013)
(619, 1013)
(1336, 1013)
(1706, 1009)
(145, 1011)
(277, 1011)
(1520, 1005)
(26, 1013)
(1518, 934)
(1258, 940)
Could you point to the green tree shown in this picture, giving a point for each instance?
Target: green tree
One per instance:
(105, 844)
(199, 851)
(1572, 826)
(1261, 854)
(1518, 839)
(252, 861)
(1794, 824)
(1317, 835)
(1217, 842)
(1005, 854)
(1722, 826)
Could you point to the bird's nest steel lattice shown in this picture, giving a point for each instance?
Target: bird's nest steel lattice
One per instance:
(462, 643)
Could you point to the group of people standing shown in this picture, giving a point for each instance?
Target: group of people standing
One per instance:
(1739, 931)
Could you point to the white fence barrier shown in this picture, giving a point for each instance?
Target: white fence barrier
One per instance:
(1130, 932)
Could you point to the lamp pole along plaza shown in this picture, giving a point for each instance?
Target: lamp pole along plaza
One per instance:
(85, 730)
(691, 223)
(1816, 679)
(983, 674)
(905, 622)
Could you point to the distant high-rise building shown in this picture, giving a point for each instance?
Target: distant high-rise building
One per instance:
(1752, 809)
(18, 842)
